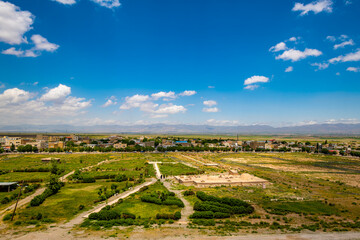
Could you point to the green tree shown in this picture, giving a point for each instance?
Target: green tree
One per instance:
(12, 148)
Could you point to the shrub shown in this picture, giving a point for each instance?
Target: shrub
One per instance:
(205, 214)
(81, 207)
(88, 180)
(189, 193)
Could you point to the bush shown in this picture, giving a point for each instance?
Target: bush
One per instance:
(205, 214)
(226, 205)
(81, 207)
(177, 215)
(88, 180)
(189, 193)
(5, 200)
(204, 222)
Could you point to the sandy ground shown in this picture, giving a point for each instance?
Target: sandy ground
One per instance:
(297, 168)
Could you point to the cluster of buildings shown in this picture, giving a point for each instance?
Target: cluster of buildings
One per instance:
(44, 141)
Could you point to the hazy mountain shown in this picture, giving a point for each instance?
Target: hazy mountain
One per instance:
(338, 129)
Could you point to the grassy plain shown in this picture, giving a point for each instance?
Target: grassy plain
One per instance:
(306, 189)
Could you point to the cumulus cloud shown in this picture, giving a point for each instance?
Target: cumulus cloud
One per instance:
(256, 79)
(14, 23)
(134, 101)
(215, 122)
(289, 69)
(110, 101)
(108, 3)
(278, 47)
(170, 109)
(315, 7)
(320, 66)
(57, 93)
(251, 87)
(2, 85)
(17, 105)
(331, 38)
(167, 95)
(353, 69)
(145, 104)
(350, 57)
(66, 2)
(188, 93)
(211, 110)
(296, 55)
(13, 51)
(13, 96)
(210, 103)
(292, 39)
(42, 44)
(343, 44)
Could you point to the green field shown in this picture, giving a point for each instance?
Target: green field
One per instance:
(177, 169)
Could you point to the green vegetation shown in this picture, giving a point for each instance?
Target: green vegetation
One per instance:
(304, 207)
(177, 169)
(214, 207)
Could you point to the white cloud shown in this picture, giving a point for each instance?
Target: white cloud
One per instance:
(13, 96)
(296, 55)
(211, 110)
(211, 86)
(13, 51)
(170, 109)
(353, 69)
(350, 57)
(108, 3)
(2, 85)
(343, 44)
(331, 38)
(188, 93)
(251, 87)
(66, 2)
(337, 74)
(134, 101)
(144, 103)
(215, 122)
(320, 66)
(256, 79)
(210, 103)
(109, 102)
(278, 47)
(42, 44)
(159, 116)
(292, 39)
(14, 23)
(17, 105)
(316, 7)
(168, 95)
(56, 94)
(289, 69)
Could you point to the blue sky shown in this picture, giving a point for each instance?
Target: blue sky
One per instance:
(87, 62)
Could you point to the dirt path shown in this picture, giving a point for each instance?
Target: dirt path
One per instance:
(157, 170)
(22, 202)
(187, 210)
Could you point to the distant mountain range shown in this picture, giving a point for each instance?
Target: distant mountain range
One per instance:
(321, 129)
